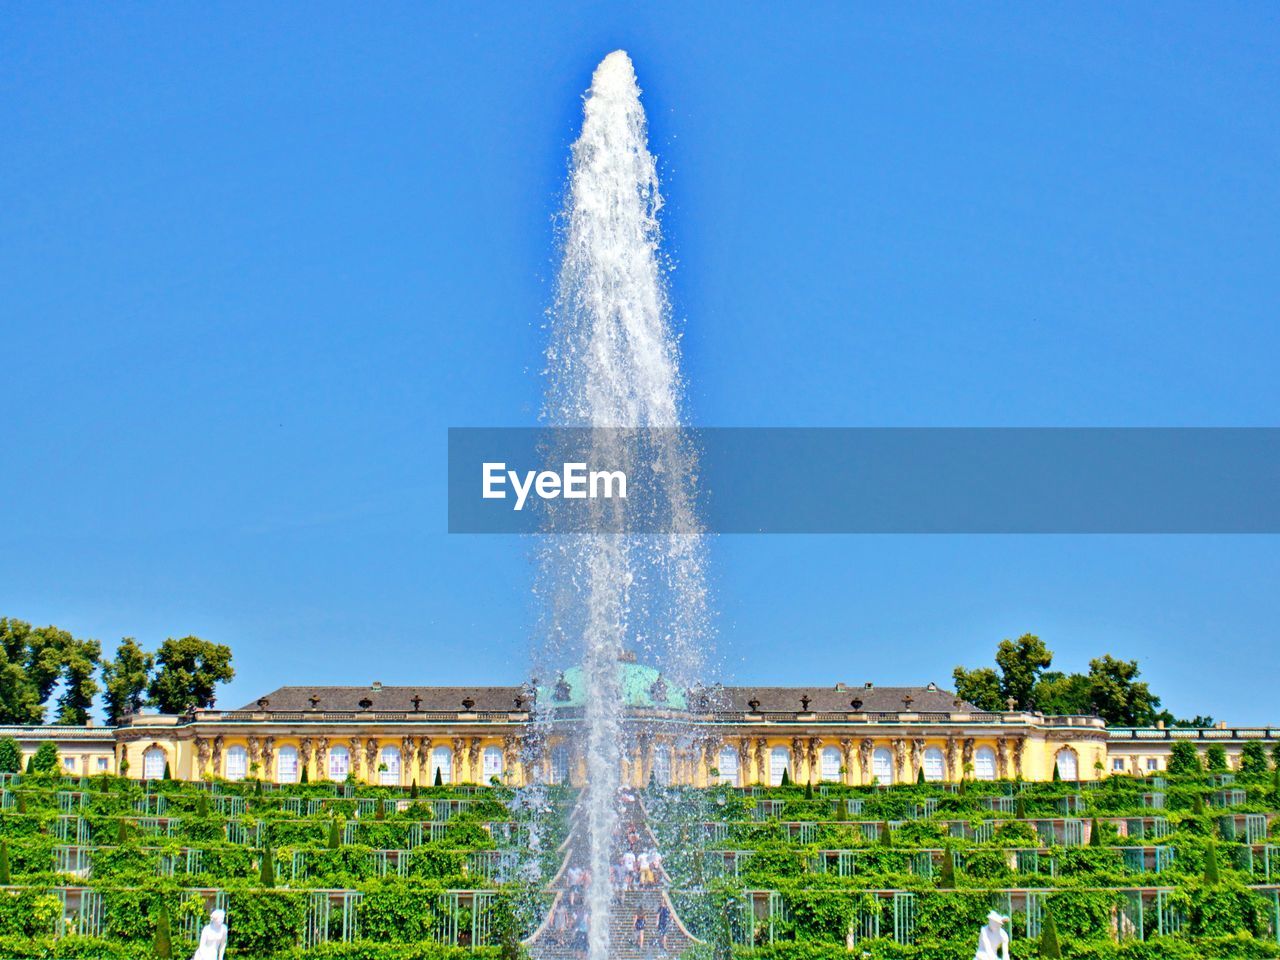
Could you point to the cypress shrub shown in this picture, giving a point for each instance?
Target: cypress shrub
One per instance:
(1095, 833)
(168, 774)
(5, 877)
(439, 781)
(947, 878)
(886, 835)
(1057, 774)
(808, 790)
(202, 805)
(413, 790)
(1049, 947)
(163, 945)
(379, 812)
(267, 872)
(920, 777)
(786, 778)
(1211, 874)
(335, 835)
(305, 778)
(1020, 807)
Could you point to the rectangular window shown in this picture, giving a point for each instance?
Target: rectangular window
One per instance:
(69, 764)
(1153, 763)
(1117, 764)
(339, 763)
(492, 763)
(103, 764)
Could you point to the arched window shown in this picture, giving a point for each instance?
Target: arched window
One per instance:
(339, 763)
(984, 764)
(153, 764)
(389, 759)
(492, 759)
(560, 763)
(830, 764)
(1068, 767)
(287, 765)
(728, 764)
(882, 765)
(662, 764)
(442, 765)
(237, 763)
(779, 763)
(934, 764)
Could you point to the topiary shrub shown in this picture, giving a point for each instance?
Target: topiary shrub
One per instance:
(1184, 760)
(10, 755)
(1049, 946)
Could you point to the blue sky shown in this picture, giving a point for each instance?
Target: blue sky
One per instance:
(254, 260)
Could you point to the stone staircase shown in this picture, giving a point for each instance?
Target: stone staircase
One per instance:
(547, 943)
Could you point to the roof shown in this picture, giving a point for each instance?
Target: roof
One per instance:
(641, 686)
(389, 698)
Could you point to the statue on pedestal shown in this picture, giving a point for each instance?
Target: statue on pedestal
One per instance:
(993, 942)
(213, 938)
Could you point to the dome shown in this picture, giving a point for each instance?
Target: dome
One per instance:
(641, 686)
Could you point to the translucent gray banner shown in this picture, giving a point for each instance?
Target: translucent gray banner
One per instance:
(855, 480)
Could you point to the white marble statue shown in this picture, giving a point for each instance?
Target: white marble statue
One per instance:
(993, 942)
(213, 938)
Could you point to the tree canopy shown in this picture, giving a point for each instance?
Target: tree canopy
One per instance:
(186, 672)
(1111, 688)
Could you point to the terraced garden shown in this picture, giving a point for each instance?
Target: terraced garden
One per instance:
(1175, 867)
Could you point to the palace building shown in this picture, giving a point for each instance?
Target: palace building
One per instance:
(399, 735)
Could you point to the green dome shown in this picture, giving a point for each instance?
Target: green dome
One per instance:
(641, 686)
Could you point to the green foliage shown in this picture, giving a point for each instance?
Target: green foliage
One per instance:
(267, 869)
(1184, 759)
(947, 874)
(1211, 874)
(886, 835)
(1021, 662)
(1215, 758)
(305, 778)
(5, 875)
(1057, 774)
(45, 759)
(10, 755)
(1049, 947)
(124, 680)
(202, 805)
(335, 835)
(786, 778)
(1095, 833)
(168, 773)
(1253, 759)
(32, 661)
(163, 944)
(981, 687)
(186, 672)
(808, 790)
(439, 781)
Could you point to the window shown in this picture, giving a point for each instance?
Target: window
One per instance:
(830, 764)
(492, 760)
(779, 763)
(882, 765)
(1067, 767)
(103, 764)
(287, 765)
(984, 764)
(1153, 763)
(560, 764)
(728, 764)
(389, 767)
(69, 765)
(153, 764)
(935, 765)
(662, 764)
(339, 763)
(442, 765)
(1117, 764)
(237, 763)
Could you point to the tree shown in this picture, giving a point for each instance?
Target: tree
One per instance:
(981, 687)
(45, 759)
(1253, 759)
(335, 835)
(168, 773)
(10, 756)
(1117, 694)
(187, 671)
(32, 660)
(1215, 758)
(1050, 949)
(124, 680)
(80, 660)
(163, 945)
(1057, 774)
(1021, 662)
(1095, 833)
(947, 879)
(1211, 874)
(267, 869)
(786, 778)
(1063, 694)
(1184, 759)
(886, 835)
(5, 876)
(202, 805)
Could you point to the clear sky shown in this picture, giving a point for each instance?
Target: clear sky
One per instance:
(255, 259)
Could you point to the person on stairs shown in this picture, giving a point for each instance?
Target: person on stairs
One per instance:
(638, 926)
(664, 921)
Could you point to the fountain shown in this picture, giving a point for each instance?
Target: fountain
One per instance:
(613, 362)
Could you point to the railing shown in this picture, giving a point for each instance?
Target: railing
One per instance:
(1193, 733)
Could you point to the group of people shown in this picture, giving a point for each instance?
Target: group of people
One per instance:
(640, 922)
(572, 925)
(637, 871)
